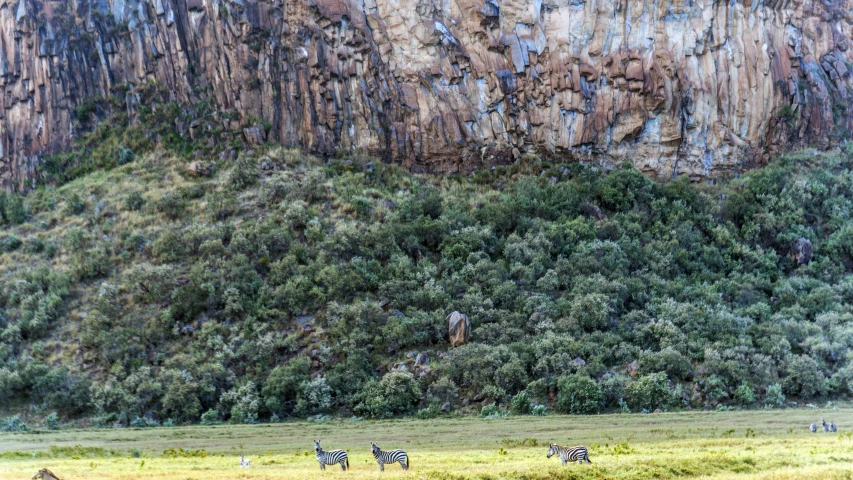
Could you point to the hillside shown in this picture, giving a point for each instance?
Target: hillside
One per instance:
(279, 285)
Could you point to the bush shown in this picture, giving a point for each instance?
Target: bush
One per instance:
(74, 204)
(282, 387)
(773, 396)
(520, 404)
(539, 411)
(744, 395)
(805, 377)
(12, 208)
(578, 394)
(210, 417)
(168, 247)
(491, 411)
(396, 393)
(134, 201)
(172, 205)
(241, 403)
(125, 155)
(715, 390)
(428, 413)
(14, 424)
(10, 243)
(316, 397)
(244, 173)
(648, 393)
(51, 422)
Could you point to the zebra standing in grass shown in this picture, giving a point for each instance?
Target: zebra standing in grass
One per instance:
(832, 427)
(390, 457)
(825, 425)
(331, 457)
(567, 454)
(813, 428)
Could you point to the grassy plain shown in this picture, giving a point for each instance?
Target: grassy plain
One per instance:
(721, 445)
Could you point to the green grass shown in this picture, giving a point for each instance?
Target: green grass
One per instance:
(669, 445)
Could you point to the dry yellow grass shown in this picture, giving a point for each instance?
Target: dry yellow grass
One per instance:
(777, 445)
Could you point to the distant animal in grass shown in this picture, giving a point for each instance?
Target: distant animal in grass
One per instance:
(45, 474)
(813, 428)
(390, 456)
(569, 454)
(832, 427)
(243, 462)
(331, 457)
(825, 425)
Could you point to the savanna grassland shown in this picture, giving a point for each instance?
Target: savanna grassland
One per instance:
(750, 444)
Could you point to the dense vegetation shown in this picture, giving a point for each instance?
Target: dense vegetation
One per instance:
(284, 286)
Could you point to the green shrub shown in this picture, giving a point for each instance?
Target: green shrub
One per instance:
(539, 411)
(210, 417)
(134, 201)
(51, 422)
(491, 411)
(125, 155)
(520, 404)
(648, 393)
(172, 205)
(744, 395)
(396, 393)
(14, 210)
(432, 411)
(241, 403)
(316, 397)
(282, 387)
(74, 204)
(14, 424)
(578, 394)
(715, 389)
(773, 396)
(10, 243)
(244, 173)
(805, 377)
(168, 247)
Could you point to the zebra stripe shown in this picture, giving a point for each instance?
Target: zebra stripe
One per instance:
(331, 457)
(390, 457)
(567, 454)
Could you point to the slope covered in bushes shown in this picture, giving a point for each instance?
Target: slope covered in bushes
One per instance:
(284, 286)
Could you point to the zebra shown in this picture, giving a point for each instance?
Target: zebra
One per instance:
(391, 456)
(243, 462)
(574, 454)
(825, 425)
(813, 428)
(331, 457)
(832, 427)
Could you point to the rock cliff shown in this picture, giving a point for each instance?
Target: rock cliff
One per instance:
(701, 87)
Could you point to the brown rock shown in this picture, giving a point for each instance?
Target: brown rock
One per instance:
(803, 251)
(198, 169)
(458, 328)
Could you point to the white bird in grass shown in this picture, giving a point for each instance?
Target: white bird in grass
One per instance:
(243, 462)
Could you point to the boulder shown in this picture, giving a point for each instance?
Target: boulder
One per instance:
(422, 359)
(633, 368)
(458, 328)
(803, 251)
(198, 169)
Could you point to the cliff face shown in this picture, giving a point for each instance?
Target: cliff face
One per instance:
(676, 87)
